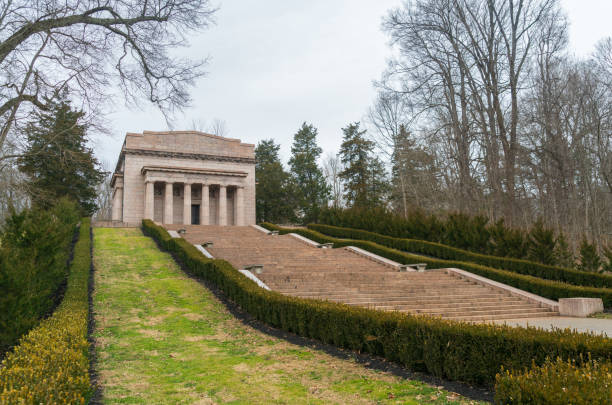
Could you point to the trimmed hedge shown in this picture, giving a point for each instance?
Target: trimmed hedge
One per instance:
(34, 255)
(448, 349)
(558, 382)
(545, 288)
(51, 363)
(441, 251)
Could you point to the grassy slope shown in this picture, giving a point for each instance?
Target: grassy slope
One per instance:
(163, 338)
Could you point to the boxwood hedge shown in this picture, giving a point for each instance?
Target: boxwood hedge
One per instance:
(50, 365)
(442, 251)
(545, 288)
(461, 351)
(556, 382)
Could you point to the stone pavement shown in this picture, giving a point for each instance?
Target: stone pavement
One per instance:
(597, 326)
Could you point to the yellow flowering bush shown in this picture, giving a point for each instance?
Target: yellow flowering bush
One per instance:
(50, 365)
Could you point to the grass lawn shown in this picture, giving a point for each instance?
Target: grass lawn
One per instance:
(164, 338)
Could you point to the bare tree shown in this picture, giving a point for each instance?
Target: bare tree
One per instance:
(216, 127)
(464, 62)
(90, 47)
(503, 120)
(332, 166)
(104, 197)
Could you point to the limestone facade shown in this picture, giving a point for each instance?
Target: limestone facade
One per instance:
(184, 177)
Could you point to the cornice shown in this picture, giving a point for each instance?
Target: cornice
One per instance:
(185, 155)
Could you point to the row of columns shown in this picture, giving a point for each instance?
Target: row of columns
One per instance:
(204, 204)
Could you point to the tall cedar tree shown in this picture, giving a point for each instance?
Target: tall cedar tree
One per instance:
(364, 175)
(57, 159)
(274, 202)
(311, 189)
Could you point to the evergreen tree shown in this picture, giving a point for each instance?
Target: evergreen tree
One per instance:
(542, 244)
(378, 185)
(563, 253)
(607, 252)
(274, 202)
(589, 259)
(311, 189)
(57, 159)
(364, 174)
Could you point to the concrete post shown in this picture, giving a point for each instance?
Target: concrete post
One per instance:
(117, 204)
(168, 204)
(239, 206)
(149, 200)
(222, 205)
(187, 204)
(204, 206)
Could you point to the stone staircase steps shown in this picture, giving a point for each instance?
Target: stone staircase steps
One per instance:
(295, 268)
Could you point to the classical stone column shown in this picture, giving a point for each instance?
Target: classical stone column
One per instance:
(117, 204)
(149, 200)
(168, 203)
(204, 206)
(239, 206)
(187, 204)
(222, 205)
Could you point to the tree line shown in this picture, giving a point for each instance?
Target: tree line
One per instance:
(483, 110)
(354, 177)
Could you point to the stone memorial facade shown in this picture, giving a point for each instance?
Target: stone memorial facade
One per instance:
(184, 177)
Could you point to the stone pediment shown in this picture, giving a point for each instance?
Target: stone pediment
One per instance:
(188, 142)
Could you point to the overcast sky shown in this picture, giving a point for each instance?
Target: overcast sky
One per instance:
(275, 64)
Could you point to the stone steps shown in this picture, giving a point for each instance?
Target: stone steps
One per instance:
(293, 267)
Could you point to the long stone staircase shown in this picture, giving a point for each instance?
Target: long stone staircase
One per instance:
(293, 267)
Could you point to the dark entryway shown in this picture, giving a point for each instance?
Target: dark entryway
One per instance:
(195, 214)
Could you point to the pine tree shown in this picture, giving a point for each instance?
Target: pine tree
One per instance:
(274, 202)
(563, 253)
(311, 189)
(57, 159)
(378, 184)
(589, 259)
(364, 175)
(542, 244)
(607, 252)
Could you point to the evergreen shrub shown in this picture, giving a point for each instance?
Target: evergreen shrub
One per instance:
(557, 382)
(472, 233)
(461, 351)
(34, 250)
(50, 365)
(438, 250)
(589, 259)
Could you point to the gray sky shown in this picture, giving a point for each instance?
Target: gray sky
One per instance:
(274, 64)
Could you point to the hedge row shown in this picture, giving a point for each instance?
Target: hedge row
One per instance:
(51, 363)
(34, 253)
(545, 288)
(557, 382)
(441, 251)
(452, 350)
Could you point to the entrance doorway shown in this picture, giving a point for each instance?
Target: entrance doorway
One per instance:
(195, 214)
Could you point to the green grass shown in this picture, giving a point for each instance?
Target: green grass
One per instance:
(601, 315)
(163, 338)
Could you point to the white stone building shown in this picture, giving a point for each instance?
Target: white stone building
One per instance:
(184, 177)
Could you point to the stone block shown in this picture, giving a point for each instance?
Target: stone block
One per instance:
(580, 307)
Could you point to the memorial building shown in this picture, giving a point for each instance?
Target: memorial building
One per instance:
(184, 177)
